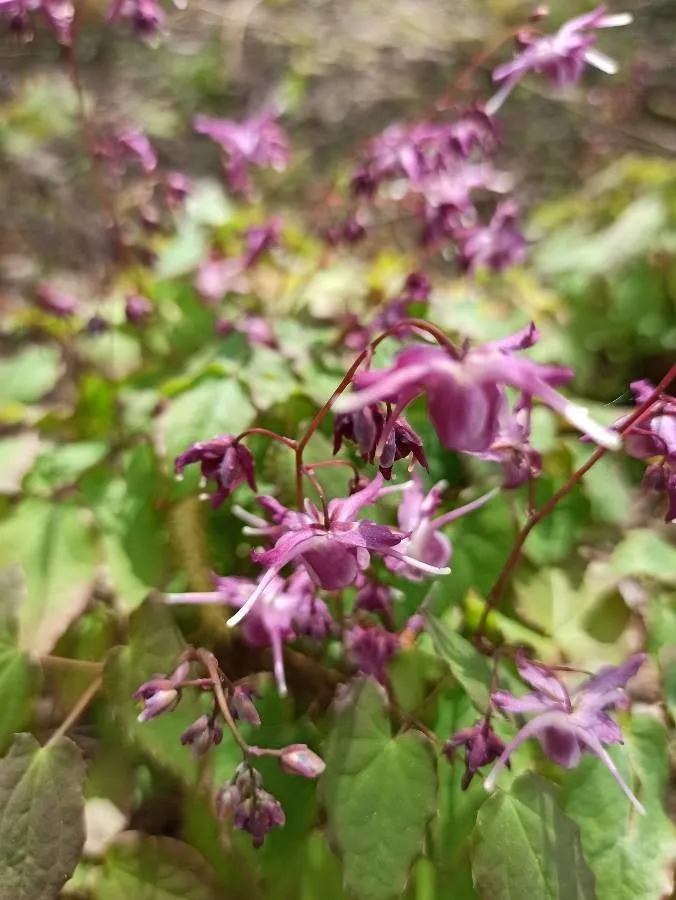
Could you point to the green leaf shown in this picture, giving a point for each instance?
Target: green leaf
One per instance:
(42, 824)
(380, 793)
(644, 552)
(468, 666)
(134, 534)
(63, 464)
(53, 544)
(29, 375)
(154, 868)
(631, 855)
(525, 846)
(17, 455)
(269, 378)
(214, 406)
(154, 647)
(17, 682)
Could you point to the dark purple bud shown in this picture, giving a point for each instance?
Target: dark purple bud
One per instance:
(417, 288)
(223, 461)
(242, 705)
(370, 649)
(97, 325)
(58, 303)
(298, 759)
(375, 597)
(261, 238)
(228, 799)
(259, 815)
(157, 696)
(137, 308)
(202, 735)
(408, 443)
(483, 747)
(177, 187)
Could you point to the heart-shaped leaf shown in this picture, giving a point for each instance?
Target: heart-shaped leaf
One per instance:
(379, 792)
(42, 822)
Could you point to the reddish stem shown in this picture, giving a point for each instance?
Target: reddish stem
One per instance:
(439, 336)
(496, 592)
(288, 442)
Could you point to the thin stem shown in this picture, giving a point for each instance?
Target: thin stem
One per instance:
(75, 713)
(307, 471)
(288, 442)
(210, 663)
(62, 662)
(439, 336)
(496, 592)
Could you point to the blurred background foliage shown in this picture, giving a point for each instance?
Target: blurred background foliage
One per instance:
(93, 520)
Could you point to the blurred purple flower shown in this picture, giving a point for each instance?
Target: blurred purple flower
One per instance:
(424, 539)
(125, 145)
(496, 246)
(511, 447)
(378, 439)
(561, 57)
(216, 276)
(58, 303)
(223, 461)
(177, 187)
(483, 747)
(375, 597)
(654, 439)
(370, 648)
(58, 14)
(465, 390)
(258, 239)
(257, 141)
(137, 309)
(255, 329)
(568, 723)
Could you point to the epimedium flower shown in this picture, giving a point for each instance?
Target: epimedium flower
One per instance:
(561, 57)
(55, 301)
(654, 439)
(222, 460)
(482, 746)
(251, 808)
(495, 246)
(569, 722)
(465, 390)
(137, 309)
(161, 694)
(333, 547)
(379, 438)
(370, 648)
(424, 539)
(285, 610)
(511, 446)
(257, 141)
(145, 16)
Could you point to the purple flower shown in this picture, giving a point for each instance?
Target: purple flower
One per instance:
(177, 187)
(370, 648)
(334, 548)
(202, 735)
(378, 438)
(217, 275)
(161, 694)
(654, 439)
(125, 145)
(261, 238)
(58, 14)
(137, 309)
(561, 57)
(225, 462)
(424, 539)
(483, 747)
(568, 723)
(252, 809)
(242, 705)
(496, 246)
(375, 597)
(284, 609)
(255, 329)
(511, 446)
(146, 16)
(465, 390)
(57, 302)
(257, 141)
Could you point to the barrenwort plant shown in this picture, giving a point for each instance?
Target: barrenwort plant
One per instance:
(429, 542)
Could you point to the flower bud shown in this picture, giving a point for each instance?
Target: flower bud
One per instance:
(298, 759)
(228, 798)
(202, 735)
(157, 696)
(242, 705)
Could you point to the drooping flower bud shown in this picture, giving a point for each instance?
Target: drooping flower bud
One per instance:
(483, 747)
(252, 809)
(202, 735)
(242, 705)
(223, 461)
(137, 308)
(56, 302)
(157, 696)
(298, 759)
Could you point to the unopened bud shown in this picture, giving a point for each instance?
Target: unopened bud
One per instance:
(298, 759)
(228, 799)
(242, 705)
(157, 696)
(202, 735)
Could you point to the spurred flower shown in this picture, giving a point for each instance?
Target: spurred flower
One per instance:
(483, 747)
(495, 246)
(375, 597)
(654, 439)
(161, 694)
(257, 141)
(333, 548)
(223, 461)
(424, 540)
(568, 723)
(285, 610)
(255, 329)
(561, 57)
(146, 16)
(370, 648)
(465, 390)
(378, 438)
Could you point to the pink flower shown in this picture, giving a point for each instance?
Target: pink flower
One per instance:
(561, 57)
(466, 390)
(568, 723)
(222, 460)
